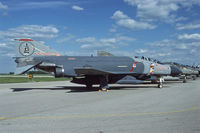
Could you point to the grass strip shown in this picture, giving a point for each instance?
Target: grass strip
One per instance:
(4, 80)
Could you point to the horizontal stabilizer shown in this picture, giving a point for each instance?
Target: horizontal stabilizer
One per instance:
(23, 70)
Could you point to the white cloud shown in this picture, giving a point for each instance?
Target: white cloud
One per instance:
(6, 50)
(194, 36)
(162, 43)
(103, 43)
(93, 43)
(164, 54)
(182, 46)
(154, 9)
(108, 40)
(77, 8)
(195, 44)
(125, 38)
(193, 51)
(190, 3)
(41, 4)
(9, 54)
(3, 45)
(163, 10)
(124, 21)
(141, 51)
(189, 26)
(68, 38)
(184, 50)
(38, 32)
(180, 19)
(97, 46)
(3, 7)
(119, 15)
(86, 40)
(112, 30)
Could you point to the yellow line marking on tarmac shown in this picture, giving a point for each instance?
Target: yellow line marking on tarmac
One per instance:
(100, 115)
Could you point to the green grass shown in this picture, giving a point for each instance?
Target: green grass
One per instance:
(25, 79)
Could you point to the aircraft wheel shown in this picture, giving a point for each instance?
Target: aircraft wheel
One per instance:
(160, 85)
(105, 89)
(184, 80)
(194, 77)
(160, 82)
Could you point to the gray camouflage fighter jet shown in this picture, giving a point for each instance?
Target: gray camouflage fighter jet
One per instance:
(175, 71)
(187, 71)
(88, 70)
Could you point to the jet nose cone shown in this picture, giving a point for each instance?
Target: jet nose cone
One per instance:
(175, 71)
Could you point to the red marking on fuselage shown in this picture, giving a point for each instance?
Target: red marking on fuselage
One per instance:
(134, 66)
(152, 68)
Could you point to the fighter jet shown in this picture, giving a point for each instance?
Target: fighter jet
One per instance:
(87, 70)
(175, 71)
(187, 71)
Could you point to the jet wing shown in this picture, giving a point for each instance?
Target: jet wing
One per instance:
(92, 71)
(89, 71)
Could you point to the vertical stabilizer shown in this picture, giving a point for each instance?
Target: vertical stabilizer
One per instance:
(29, 47)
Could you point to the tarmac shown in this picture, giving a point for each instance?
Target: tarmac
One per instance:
(63, 107)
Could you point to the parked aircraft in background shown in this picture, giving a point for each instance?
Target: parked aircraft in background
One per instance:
(89, 70)
(186, 71)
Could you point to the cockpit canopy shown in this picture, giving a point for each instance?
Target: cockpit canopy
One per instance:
(147, 59)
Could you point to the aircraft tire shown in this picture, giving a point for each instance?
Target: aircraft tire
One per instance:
(160, 85)
(194, 77)
(185, 79)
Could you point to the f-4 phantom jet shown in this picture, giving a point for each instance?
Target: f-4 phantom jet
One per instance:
(187, 71)
(88, 70)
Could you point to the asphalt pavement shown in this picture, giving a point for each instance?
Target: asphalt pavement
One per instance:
(63, 107)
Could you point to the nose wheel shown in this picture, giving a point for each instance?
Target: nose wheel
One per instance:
(160, 82)
(104, 89)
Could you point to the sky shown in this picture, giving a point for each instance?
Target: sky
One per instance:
(167, 30)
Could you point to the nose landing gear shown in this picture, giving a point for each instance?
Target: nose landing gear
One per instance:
(160, 82)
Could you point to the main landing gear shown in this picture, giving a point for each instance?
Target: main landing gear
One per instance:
(104, 83)
(184, 79)
(160, 82)
(194, 77)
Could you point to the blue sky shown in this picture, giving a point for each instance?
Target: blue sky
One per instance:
(168, 30)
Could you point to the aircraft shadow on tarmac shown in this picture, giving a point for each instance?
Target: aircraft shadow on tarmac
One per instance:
(74, 89)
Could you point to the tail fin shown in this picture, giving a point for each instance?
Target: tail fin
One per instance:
(29, 47)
